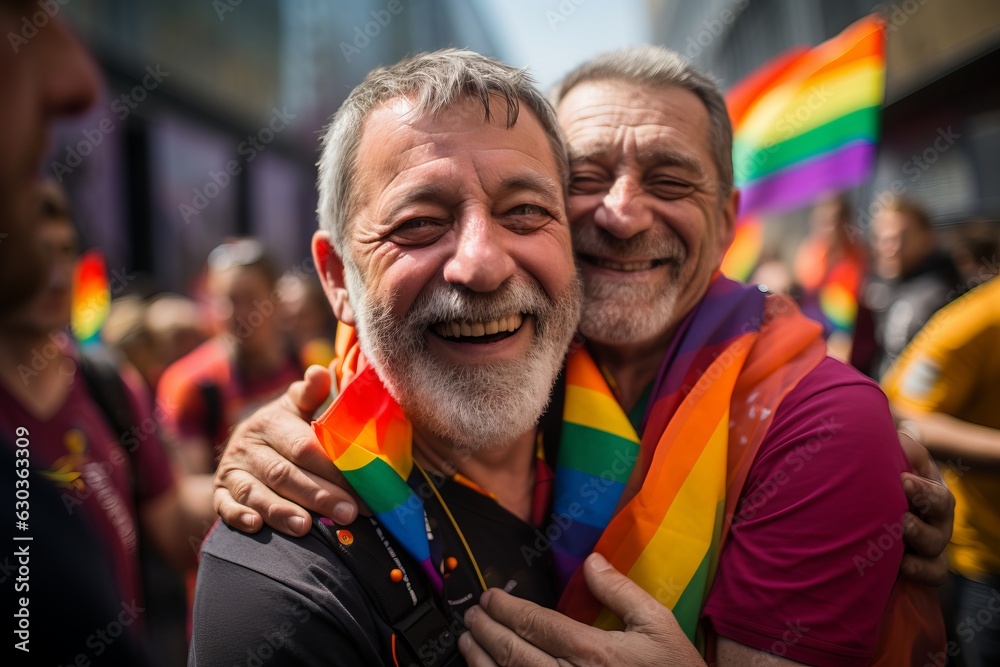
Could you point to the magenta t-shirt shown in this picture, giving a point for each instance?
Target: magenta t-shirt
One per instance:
(816, 544)
(77, 451)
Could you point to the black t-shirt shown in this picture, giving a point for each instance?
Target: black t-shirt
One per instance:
(273, 599)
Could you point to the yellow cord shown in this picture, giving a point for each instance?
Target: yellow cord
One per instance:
(461, 535)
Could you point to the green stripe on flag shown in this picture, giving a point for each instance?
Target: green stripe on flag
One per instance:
(597, 453)
(752, 162)
(380, 486)
(687, 610)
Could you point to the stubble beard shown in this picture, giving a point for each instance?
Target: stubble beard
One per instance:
(622, 313)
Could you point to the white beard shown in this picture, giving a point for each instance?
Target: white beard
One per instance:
(474, 406)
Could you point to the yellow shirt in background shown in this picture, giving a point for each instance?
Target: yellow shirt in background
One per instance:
(953, 366)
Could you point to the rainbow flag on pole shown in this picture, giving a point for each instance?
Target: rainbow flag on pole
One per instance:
(804, 124)
(808, 123)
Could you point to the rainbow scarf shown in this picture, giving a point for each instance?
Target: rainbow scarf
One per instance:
(369, 439)
(808, 122)
(663, 520)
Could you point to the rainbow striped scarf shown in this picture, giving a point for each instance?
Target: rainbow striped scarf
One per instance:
(657, 511)
(663, 520)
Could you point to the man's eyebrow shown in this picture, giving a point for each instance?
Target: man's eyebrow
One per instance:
(665, 157)
(422, 194)
(545, 187)
(650, 157)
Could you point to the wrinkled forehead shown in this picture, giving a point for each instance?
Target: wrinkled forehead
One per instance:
(600, 117)
(404, 144)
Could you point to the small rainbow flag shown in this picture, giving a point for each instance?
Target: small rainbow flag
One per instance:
(744, 252)
(808, 122)
(91, 297)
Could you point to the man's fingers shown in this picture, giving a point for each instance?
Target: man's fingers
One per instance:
(928, 571)
(623, 597)
(311, 392)
(919, 458)
(474, 654)
(249, 493)
(923, 538)
(502, 642)
(233, 513)
(555, 634)
(933, 500)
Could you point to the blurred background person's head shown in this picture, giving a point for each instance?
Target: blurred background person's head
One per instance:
(240, 287)
(902, 237)
(173, 320)
(975, 250)
(830, 220)
(42, 78)
(305, 312)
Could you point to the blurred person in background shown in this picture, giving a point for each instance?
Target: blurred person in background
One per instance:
(174, 322)
(774, 274)
(306, 318)
(125, 333)
(945, 387)
(911, 279)
(99, 476)
(829, 271)
(154, 333)
(976, 252)
(246, 363)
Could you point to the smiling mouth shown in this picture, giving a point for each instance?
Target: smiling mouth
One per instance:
(644, 265)
(479, 332)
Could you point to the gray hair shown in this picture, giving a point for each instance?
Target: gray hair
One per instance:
(657, 66)
(435, 82)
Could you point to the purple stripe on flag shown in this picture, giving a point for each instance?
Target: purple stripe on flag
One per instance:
(800, 184)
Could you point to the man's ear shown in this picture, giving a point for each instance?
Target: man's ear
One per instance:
(331, 275)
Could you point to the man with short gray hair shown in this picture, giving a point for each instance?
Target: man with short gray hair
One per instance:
(445, 244)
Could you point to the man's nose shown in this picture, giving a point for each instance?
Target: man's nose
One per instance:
(480, 261)
(622, 213)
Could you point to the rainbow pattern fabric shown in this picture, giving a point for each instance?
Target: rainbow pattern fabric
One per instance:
(669, 514)
(809, 122)
(369, 439)
(91, 297)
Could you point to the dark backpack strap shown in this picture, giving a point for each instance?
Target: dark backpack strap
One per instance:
(422, 633)
(211, 398)
(106, 387)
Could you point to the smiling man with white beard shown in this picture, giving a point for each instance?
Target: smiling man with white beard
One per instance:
(444, 242)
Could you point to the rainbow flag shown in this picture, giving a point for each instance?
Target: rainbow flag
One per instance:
(91, 297)
(808, 122)
(744, 252)
(366, 435)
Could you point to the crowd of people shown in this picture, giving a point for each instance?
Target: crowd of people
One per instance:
(698, 480)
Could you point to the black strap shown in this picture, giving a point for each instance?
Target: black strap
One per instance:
(422, 632)
(107, 388)
(211, 397)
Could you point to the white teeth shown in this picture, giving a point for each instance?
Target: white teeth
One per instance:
(624, 266)
(456, 329)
